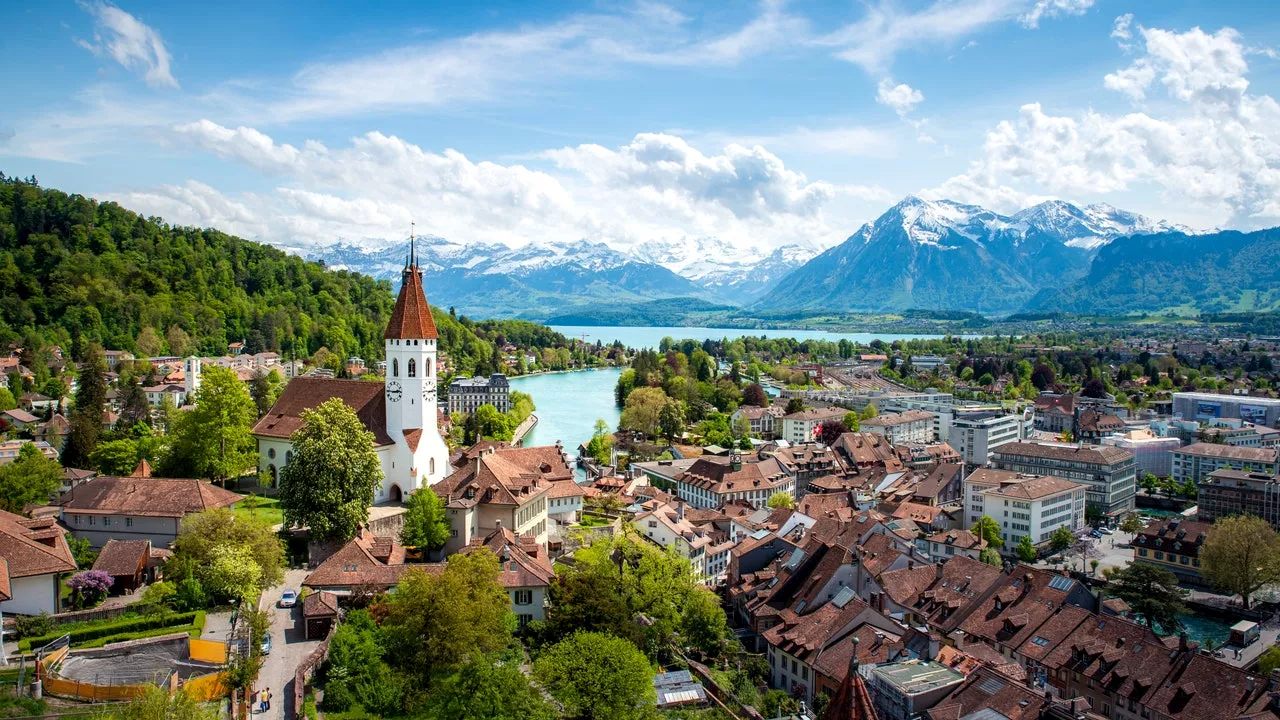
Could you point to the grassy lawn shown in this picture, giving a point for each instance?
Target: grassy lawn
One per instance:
(593, 521)
(260, 508)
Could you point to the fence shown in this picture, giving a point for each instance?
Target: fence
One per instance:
(209, 651)
(307, 670)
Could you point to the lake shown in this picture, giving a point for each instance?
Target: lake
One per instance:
(568, 405)
(650, 337)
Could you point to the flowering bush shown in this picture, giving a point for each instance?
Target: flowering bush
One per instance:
(89, 587)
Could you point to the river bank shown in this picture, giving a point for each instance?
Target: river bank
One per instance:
(568, 404)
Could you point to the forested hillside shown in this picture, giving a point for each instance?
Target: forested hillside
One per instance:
(75, 271)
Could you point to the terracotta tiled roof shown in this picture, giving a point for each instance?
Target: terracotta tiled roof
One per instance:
(320, 604)
(411, 318)
(143, 470)
(937, 479)
(1231, 452)
(1061, 404)
(919, 513)
(1013, 614)
(565, 488)
(851, 701)
(867, 449)
(964, 582)
(29, 549)
(902, 418)
(123, 558)
(1036, 488)
(1202, 688)
(306, 393)
(148, 497)
(524, 563)
(988, 689)
(963, 539)
(504, 476)
(1101, 454)
(356, 564)
(1183, 537)
(719, 477)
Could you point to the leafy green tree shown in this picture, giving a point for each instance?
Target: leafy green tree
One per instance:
(1151, 592)
(329, 484)
(232, 573)
(600, 448)
(31, 479)
(425, 523)
(1269, 660)
(795, 405)
(356, 669)
(781, 499)
(1025, 549)
(214, 439)
(643, 410)
(484, 689)
(115, 457)
(134, 408)
(703, 623)
(493, 424)
(261, 391)
(852, 420)
(85, 424)
(204, 532)
(1241, 555)
(869, 411)
(1061, 539)
(6, 400)
(437, 623)
(988, 529)
(1131, 523)
(594, 675)
(81, 551)
(991, 556)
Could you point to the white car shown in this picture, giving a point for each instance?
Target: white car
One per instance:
(1106, 531)
(288, 599)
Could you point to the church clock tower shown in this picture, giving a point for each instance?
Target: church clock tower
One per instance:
(420, 457)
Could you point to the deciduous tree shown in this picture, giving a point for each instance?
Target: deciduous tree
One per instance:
(830, 431)
(597, 676)
(214, 439)
(1026, 549)
(1061, 539)
(232, 573)
(754, 394)
(329, 484)
(988, 529)
(643, 410)
(1241, 554)
(203, 532)
(484, 689)
(781, 499)
(425, 524)
(31, 479)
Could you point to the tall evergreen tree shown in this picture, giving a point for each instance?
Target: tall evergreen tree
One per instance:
(86, 418)
(135, 408)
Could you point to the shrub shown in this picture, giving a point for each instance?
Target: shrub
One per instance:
(161, 593)
(33, 625)
(190, 596)
(90, 587)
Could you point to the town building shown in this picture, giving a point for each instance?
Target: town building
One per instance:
(1055, 413)
(977, 435)
(137, 508)
(1195, 462)
(11, 449)
(711, 482)
(943, 485)
(33, 557)
(764, 421)
(1228, 492)
(941, 546)
(802, 427)
(466, 395)
(526, 573)
(400, 412)
(668, 526)
(1030, 506)
(1153, 454)
(1173, 544)
(1208, 406)
(907, 426)
(501, 487)
(1108, 472)
(1092, 424)
(902, 691)
(366, 562)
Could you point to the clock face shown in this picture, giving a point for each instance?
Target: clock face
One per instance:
(429, 392)
(393, 390)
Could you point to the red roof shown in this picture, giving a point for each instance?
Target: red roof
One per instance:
(411, 317)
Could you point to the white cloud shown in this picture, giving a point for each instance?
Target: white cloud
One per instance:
(902, 97)
(656, 187)
(1053, 9)
(1121, 30)
(1217, 148)
(130, 42)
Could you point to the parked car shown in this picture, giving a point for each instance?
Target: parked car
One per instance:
(288, 599)
(1106, 531)
(266, 644)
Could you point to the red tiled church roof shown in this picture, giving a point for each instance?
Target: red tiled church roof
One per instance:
(411, 317)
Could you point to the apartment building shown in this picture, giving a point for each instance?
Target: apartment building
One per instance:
(1173, 544)
(1230, 492)
(711, 482)
(1109, 473)
(975, 436)
(1028, 506)
(802, 427)
(1195, 462)
(908, 426)
(468, 394)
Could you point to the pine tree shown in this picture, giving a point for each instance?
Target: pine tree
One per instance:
(136, 409)
(86, 418)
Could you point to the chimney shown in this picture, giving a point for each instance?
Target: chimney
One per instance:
(939, 566)
(497, 524)
(1182, 641)
(680, 510)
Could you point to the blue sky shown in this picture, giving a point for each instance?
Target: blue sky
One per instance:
(762, 124)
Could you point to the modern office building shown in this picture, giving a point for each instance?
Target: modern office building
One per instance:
(1209, 406)
(1108, 472)
(975, 436)
(1195, 462)
(1154, 454)
(1026, 505)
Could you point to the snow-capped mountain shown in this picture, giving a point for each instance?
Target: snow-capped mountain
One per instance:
(951, 256)
(729, 272)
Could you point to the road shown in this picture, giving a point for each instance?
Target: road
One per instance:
(288, 649)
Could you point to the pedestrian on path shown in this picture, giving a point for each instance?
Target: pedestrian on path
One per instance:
(266, 694)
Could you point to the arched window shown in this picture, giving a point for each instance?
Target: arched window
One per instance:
(288, 455)
(413, 368)
(274, 477)
(395, 367)
(431, 466)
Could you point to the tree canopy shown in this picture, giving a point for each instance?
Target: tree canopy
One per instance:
(1241, 554)
(329, 484)
(214, 439)
(1151, 592)
(425, 523)
(595, 675)
(31, 479)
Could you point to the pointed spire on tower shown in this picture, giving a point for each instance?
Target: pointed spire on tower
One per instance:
(413, 255)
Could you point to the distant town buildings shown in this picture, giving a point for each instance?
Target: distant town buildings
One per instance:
(1109, 473)
(466, 395)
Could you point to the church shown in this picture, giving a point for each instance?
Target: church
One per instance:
(401, 412)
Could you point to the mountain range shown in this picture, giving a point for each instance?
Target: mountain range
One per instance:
(929, 255)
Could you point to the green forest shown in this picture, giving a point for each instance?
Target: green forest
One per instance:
(74, 271)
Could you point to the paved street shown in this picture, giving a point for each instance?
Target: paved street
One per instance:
(288, 648)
